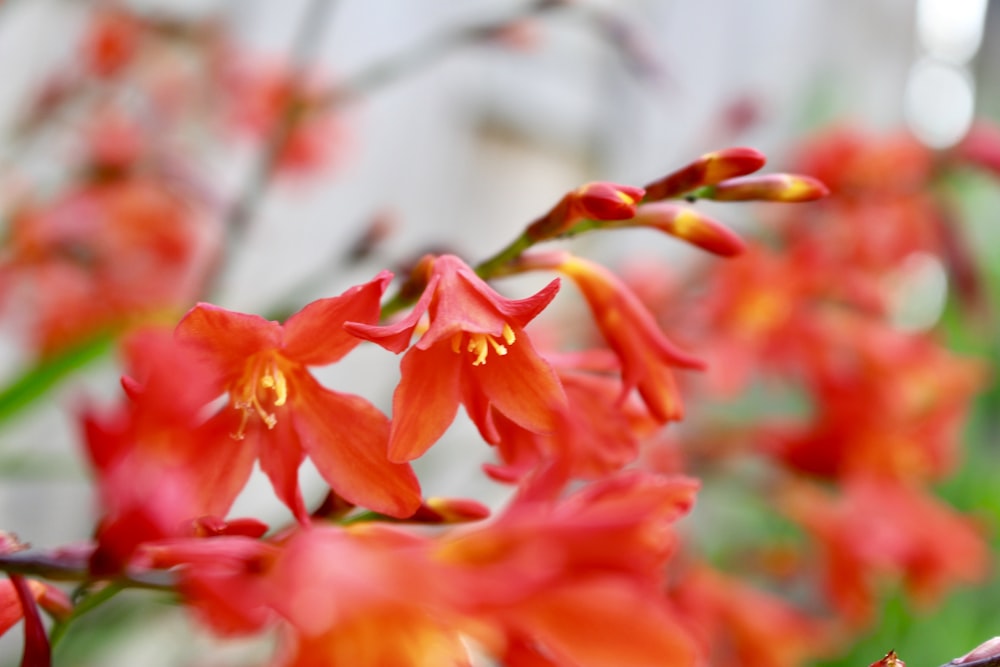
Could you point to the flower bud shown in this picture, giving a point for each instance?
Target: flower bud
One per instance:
(607, 201)
(709, 169)
(691, 226)
(890, 660)
(450, 510)
(787, 188)
(600, 201)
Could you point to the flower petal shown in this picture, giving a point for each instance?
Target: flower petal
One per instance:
(280, 457)
(227, 338)
(605, 624)
(425, 402)
(521, 385)
(315, 336)
(347, 439)
(219, 464)
(396, 337)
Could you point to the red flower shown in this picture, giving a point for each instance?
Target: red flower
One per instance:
(645, 354)
(279, 410)
(737, 624)
(159, 440)
(452, 362)
(578, 581)
(884, 528)
(595, 436)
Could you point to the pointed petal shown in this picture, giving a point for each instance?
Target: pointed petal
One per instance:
(347, 439)
(425, 402)
(227, 338)
(315, 336)
(518, 312)
(521, 385)
(280, 457)
(477, 406)
(396, 337)
(37, 651)
(220, 464)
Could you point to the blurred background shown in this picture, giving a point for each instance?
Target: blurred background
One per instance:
(418, 125)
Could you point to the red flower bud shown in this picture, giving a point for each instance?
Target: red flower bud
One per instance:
(769, 187)
(450, 510)
(709, 169)
(607, 201)
(890, 660)
(691, 226)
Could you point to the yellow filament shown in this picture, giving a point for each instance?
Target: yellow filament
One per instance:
(250, 402)
(480, 344)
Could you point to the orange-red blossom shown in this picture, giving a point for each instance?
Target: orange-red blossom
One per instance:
(280, 413)
(474, 352)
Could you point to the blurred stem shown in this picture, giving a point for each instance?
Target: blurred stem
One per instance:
(88, 603)
(40, 378)
(42, 566)
(307, 41)
(434, 48)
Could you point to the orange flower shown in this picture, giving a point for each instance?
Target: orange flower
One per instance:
(595, 436)
(475, 352)
(645, 354)
(883, 528)
(578, 581)
(281, 413)
(739, 625)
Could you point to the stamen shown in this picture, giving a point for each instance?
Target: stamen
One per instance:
(247, 399)
(508, 334)
(480, 344)
(477, 345)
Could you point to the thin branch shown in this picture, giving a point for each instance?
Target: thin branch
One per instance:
(307, 41)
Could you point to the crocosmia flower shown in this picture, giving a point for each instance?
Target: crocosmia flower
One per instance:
(647, 357)
(279, 409)
(474, 352)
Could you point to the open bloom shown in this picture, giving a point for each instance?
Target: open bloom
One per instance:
(475, 352)
(279, 410)
(577, 581)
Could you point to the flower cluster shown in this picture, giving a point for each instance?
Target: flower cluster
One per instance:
(784, 374)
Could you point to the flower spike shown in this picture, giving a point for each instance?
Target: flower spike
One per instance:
(709, 169)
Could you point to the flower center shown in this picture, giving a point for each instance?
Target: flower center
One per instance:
(479, 344)
(263, 383)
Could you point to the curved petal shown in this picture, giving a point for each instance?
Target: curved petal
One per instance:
(584, 624)
(220, 464)
(227, 338)
(347, 439)
(396, 337)
(521, 385)
(280, 457)
(315, 336)
(425, 401)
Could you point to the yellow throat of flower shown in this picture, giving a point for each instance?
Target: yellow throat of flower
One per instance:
(479, 344)
(263, 383)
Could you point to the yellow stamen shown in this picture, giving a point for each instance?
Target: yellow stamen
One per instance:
(246, 397)
(480, 343)
(508, 334)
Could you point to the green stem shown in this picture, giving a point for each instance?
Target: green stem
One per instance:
(37, 380)
(86, 604)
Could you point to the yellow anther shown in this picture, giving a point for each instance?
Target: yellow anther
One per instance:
(276, 380)
(508, 334)
(480, 344)
(477, 345)
(247, 399)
